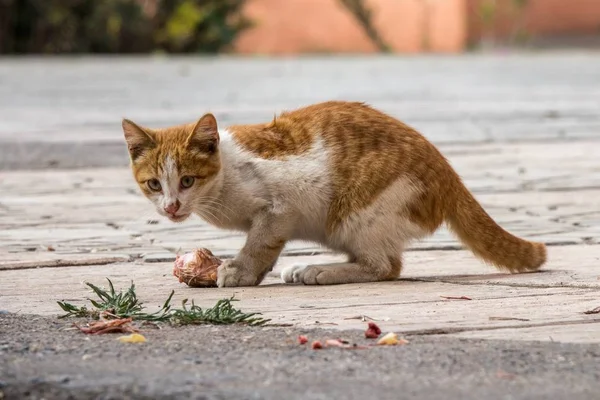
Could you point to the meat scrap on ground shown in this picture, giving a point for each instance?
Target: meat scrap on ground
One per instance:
(198, 268)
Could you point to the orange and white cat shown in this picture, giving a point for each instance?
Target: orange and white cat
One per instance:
(340, 174)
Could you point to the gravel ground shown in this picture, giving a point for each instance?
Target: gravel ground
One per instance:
(41, 358)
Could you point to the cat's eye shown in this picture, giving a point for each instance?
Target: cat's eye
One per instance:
(187, 182)
(154, 185)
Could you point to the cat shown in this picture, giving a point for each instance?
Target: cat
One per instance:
(341, 174)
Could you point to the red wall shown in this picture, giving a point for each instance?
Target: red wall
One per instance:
(295, 26)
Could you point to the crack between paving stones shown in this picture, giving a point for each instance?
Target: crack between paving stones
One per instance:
(447, 331)
(515, 285)
(491, 191)
(450, 247)
(62, 263)
(292, 253)
(442, 300)
(456, 247)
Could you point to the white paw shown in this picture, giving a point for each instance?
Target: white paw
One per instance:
(293, 273)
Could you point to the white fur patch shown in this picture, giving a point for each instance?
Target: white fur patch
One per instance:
(382, 227)
(225, 135)
(292, 274)
(302, 183)
(298, 186)
(169, 181)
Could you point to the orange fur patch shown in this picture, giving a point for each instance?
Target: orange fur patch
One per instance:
(285, 136)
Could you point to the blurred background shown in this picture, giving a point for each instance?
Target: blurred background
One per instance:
(275, 27)
(459, 71)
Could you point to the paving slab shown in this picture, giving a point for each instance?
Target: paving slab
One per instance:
(104, 212)
(422, 302)
(451, 98)
(10, 261)
(93, 223)
(580, 333)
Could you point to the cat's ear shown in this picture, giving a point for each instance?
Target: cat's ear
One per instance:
(205, 135)
(137, 138)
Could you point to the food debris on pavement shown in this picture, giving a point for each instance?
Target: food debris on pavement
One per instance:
(316, 345)
(302, 339)
(121, 325)
(373, 331)
(133, 338)
(391, 339)
(197, 269)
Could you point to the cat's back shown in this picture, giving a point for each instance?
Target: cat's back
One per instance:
(350, 129)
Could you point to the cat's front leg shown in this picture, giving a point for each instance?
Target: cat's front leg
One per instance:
(264, 244)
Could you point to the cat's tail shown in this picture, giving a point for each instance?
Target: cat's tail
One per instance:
(485, 238)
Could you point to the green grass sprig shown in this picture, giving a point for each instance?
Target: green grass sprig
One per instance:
(113, 304)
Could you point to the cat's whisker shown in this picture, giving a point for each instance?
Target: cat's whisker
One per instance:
(217, 202)
(210, 214)
(215, 205)
(207, 207)
(216, 210)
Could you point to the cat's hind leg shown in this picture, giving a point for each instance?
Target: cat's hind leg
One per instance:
(373, 238)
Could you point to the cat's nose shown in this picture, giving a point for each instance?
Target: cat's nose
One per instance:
(173, 207)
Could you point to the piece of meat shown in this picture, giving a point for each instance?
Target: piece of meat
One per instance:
(197, 269)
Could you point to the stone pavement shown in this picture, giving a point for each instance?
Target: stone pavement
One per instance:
(523, 132)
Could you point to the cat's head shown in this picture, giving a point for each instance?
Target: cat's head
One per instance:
(175, 167)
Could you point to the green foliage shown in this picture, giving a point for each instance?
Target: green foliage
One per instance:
(116, 305)
(222, 313)
(74, 311)
(118, 26)
(181, 22)
(113, 304)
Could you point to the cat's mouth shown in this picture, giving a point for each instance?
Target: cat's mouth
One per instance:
(178, 218)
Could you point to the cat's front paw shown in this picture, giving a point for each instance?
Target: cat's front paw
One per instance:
(232, 274)
(293, 273)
